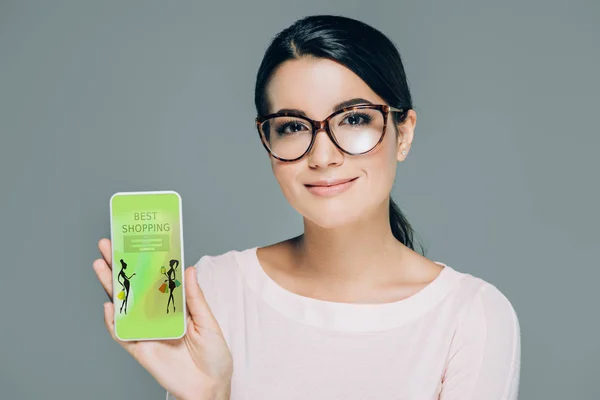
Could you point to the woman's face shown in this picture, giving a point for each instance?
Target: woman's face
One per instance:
(315, 86)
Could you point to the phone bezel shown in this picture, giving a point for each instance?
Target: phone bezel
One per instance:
(150, 192)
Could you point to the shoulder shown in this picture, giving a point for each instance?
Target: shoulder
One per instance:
(484, 309)
(229, 263)
(218, 272)
(489, 299)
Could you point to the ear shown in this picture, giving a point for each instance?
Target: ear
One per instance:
(406, 132)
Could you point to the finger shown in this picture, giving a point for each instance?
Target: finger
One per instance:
(105, 247)
(196, 302)
(109, 320)
(104, 274)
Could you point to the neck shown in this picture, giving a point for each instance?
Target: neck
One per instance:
(356, 252)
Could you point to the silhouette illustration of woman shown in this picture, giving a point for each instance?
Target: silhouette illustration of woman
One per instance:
(125, 284)
(171, 280)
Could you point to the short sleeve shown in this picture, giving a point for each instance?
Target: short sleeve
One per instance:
(485, 355)
(204, 275)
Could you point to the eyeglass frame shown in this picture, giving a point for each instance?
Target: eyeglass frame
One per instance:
(316, 126)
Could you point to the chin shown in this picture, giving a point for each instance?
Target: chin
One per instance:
(330, 218)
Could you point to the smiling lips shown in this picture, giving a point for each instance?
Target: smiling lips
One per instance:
(330, 187)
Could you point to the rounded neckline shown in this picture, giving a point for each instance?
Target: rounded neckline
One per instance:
(353, 317)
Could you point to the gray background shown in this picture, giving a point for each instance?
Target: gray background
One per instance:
(106, 96)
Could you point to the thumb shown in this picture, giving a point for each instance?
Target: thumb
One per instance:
(197, 305)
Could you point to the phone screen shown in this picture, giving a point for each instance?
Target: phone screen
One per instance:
(148, 265)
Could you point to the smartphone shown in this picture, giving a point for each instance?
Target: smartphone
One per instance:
(148, 265)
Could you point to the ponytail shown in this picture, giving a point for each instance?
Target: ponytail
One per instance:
(401, 228)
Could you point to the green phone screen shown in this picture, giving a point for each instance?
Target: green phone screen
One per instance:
(148, 265)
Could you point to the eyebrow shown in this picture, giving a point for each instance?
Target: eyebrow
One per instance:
(337, 107)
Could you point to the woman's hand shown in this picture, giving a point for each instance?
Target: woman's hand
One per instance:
(197, 366)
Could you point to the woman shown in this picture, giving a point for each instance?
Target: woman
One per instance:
(171, 279)
(125, 284)
(348, 309)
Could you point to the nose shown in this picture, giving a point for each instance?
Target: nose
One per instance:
(324, 152)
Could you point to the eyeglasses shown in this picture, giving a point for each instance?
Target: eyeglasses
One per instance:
(354, 130)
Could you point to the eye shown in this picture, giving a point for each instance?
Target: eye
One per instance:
(357, 118)
(290, 127)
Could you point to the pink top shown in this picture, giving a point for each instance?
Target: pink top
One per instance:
(456, 339)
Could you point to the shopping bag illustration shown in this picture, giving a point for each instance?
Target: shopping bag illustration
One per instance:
(163, 287)
(121, 295)
(177, 283)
